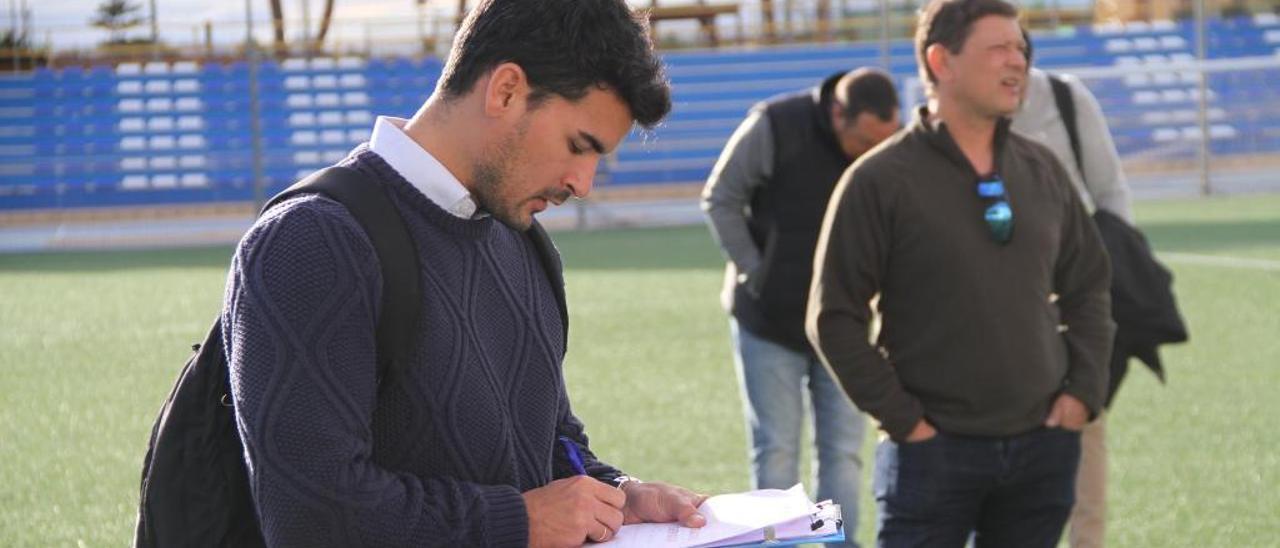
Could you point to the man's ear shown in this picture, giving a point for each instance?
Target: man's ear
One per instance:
(937, 56)
(505, 91)
(837, 114)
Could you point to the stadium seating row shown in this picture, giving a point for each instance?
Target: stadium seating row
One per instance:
(182, 132)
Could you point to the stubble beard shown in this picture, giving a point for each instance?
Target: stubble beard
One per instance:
(492, 180)
(989, 108)
(491, 174)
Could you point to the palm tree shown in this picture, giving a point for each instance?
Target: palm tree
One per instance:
(117, 17)
(770, 30)
(277, 24)
(324, 22)
(824, 20)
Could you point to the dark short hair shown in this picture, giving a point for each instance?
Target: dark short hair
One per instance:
(867, 90)
(566, 48)
(1026, 37)
(948, 22)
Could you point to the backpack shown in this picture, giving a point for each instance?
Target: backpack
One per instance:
(195, 488)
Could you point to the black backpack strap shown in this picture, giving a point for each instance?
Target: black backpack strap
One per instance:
(1067, 109)
(555, 272)
(369, 203)
(195, 488)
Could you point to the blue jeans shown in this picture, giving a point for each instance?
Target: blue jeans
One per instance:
(773, 380)
(1011, 491)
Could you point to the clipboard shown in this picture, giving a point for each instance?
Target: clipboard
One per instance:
(765, 517)
(826, 525)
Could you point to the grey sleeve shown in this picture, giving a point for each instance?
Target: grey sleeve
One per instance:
(1103, 175)
(745, 164)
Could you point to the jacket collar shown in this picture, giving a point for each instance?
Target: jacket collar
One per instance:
(934, 132)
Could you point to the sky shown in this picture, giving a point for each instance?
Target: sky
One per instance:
(65, 22)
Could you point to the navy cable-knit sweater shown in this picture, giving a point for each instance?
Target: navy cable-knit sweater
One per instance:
(439, 456)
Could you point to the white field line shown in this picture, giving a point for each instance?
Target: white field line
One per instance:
(1221, 261)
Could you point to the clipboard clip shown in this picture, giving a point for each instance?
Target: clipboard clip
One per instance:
(816, 520)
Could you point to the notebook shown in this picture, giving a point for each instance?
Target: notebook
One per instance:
(766, 517)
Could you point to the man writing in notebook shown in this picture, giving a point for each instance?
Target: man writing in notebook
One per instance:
(462, 447)
(993, 289)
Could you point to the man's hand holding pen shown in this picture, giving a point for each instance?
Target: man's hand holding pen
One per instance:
(571, 511)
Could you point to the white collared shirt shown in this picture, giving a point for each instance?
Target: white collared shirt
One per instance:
(420, 168)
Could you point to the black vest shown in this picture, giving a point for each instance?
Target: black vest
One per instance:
(786, 214)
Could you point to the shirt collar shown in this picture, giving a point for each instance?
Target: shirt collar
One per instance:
(420, 168)
(935, 133)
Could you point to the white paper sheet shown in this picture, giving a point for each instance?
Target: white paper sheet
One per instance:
(728, 516)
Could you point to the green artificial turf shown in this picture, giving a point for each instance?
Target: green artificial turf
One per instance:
(90, 344)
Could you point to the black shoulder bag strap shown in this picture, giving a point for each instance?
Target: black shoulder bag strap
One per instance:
(1067, 109)
(401, 295)
(555, 272)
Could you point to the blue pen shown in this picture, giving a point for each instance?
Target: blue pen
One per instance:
(575, 458)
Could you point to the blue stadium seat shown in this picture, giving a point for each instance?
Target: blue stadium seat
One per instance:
(181, 133)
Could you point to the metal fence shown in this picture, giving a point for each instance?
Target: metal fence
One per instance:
(1191, 106)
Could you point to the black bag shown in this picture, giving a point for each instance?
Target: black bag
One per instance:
(195, 489)
(1142, 300)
